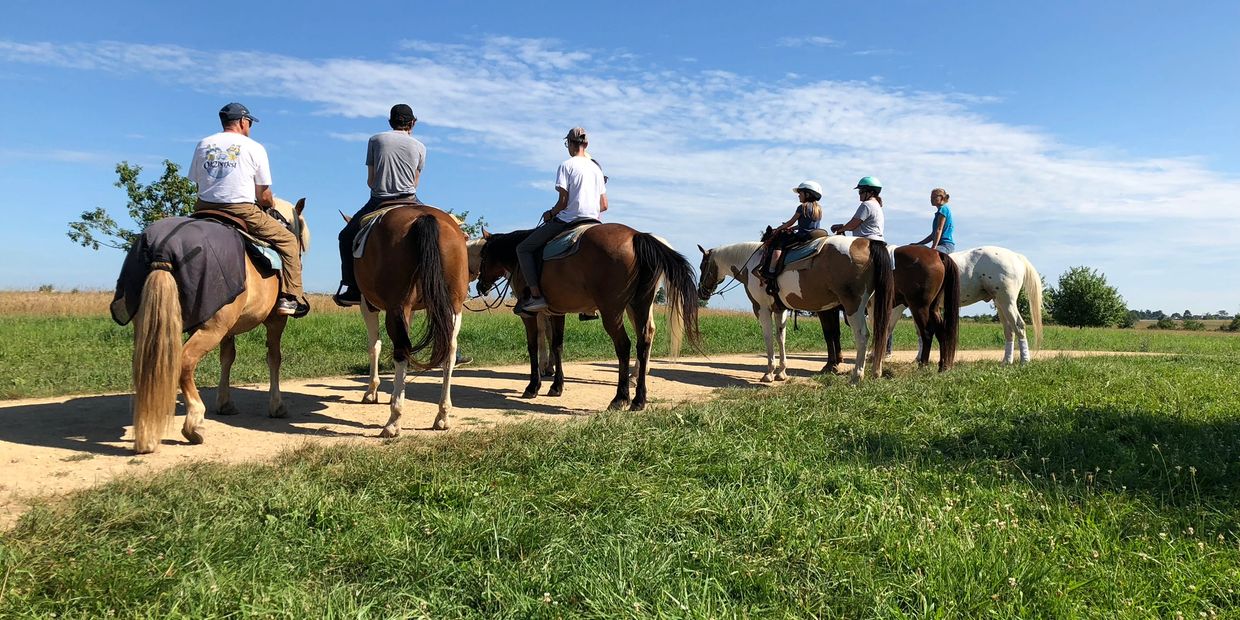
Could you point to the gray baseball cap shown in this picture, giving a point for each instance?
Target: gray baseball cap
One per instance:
(576, 134)
(236, 111)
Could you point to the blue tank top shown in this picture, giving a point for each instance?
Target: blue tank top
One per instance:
(949, 227)
(803, 221)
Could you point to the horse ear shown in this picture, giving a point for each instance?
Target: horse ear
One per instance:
(701, 249)
(485, 234)
(346, 218)
(301, 205)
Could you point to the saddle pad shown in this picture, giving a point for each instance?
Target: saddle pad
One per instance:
(368, 222)
(208, 263)
(799, 257)
(566, 243)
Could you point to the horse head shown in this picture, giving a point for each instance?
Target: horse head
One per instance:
(493, 260)
(709, 278)
(291, 216)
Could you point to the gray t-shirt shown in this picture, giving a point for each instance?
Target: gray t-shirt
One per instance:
(397, 158)
(871, 215)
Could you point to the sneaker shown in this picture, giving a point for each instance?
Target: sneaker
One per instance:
(463, 360)
(286, 306)
(347, 296)
(531, 305)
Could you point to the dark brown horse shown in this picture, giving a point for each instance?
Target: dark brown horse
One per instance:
(925, 279)
(415, 259)
(616, 271)
(161, 361)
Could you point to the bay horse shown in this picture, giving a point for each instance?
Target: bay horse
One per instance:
(161, 361)
(616, 271)
(926, 278)
(415, 258)
(849, 273)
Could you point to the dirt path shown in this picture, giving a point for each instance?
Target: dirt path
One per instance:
(53, 446)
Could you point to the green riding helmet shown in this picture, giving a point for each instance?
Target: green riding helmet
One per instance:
(869, 182)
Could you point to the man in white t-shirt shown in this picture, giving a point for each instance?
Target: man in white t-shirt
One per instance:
(234, 176)
(583, 195)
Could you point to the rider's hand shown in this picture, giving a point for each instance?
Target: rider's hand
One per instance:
(547, 215)
(836, 228)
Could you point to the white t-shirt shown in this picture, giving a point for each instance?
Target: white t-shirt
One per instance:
(871, 215)
(583, 180)
(227, 166)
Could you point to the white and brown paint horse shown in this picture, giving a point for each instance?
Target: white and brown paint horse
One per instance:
(849, 273)
(161, 361)
(992, 273)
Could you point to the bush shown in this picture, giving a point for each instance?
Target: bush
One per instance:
(1233, 326)
(1084, 299)
(1193, 325)
(1163, 323)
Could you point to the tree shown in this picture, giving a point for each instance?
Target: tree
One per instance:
(1130, 319)
(1084, 299)
(473, 231)
(172, 194)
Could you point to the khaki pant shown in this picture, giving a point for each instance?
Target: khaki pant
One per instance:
(268, 229)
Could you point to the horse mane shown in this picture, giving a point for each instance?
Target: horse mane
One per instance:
(286, 209)
(736, 254)
(503, 246)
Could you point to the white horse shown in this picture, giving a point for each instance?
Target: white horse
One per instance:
(841, 276)
(992, 273)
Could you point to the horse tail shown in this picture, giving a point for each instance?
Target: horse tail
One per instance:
(1033, 291)
(655, 261)
(951, 308)
(884, 283)
(432, 285)
(156, 359)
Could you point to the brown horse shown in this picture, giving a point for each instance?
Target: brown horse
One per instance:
(415, 259)
(925, 279)
(160, 361)
(616, 271)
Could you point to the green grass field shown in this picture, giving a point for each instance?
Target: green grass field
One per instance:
(1095, 488)
(49, 356)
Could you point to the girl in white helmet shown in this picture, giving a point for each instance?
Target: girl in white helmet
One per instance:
(806, 220)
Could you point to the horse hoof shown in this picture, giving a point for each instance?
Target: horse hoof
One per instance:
(389, 432)
(618, 404)
(194, 436)
(636, 406)
(441, 424)
(830, 369)
(766, 378)
(781, 377)
(555, 391)
(228, 409)
(370, 398)
(530, 393)
(278, 412)
(854, 380)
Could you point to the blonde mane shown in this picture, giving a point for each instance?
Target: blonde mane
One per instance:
(286, 209)
(734, 256)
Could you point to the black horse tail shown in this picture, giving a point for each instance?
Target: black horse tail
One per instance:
(431, 285)
(884, 283)
(657, 261)
(951, 311)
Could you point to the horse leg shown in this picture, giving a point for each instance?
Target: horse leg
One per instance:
(643, 328)
(546, 365)
(375, 346)
(925, 334)
(781, 332)
(445, 395)
(830, 321)
(1013, 326)
(195, 348)
(223, 395)
(1018, 328)
(765, 317)
(531, 346)
(555, 359)
(613, 322)
(397, 324)
(861, 332)
(275, 403)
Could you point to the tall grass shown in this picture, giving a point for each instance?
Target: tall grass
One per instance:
(1097, 488)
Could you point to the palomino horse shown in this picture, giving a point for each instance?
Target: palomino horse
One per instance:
(415, 259)
(616, 271)
(161, 361)
(849, 272)
(926, 279)
(992, 273)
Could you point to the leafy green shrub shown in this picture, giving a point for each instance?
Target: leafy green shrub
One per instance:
(1193, 325)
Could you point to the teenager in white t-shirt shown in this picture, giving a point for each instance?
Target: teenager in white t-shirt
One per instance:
(868, 220)
(234, 177)
(583, 194)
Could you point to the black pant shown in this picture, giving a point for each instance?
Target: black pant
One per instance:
(350, 231)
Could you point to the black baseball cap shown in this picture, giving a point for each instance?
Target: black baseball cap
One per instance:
(401, 114)
(235, 111)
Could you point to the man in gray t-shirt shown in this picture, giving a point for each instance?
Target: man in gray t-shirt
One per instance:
(393, 168)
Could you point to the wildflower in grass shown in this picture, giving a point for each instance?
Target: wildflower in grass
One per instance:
(1011, 582)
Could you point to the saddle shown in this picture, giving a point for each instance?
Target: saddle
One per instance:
(369, 220)
(568, 242)
(795, 257)
(265, 258)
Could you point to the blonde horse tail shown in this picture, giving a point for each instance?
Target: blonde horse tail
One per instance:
(1033, 290)
(675, 329)
(156, 359)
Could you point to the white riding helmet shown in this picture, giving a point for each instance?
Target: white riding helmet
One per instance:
(812, 186)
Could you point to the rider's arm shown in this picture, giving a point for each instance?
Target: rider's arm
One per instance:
(602, 203)
(851, 225)
(370, 176)
(792, 220)
(560, 205)
(262, 196)
(939, 222)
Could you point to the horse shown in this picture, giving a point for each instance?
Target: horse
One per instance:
(616, 271)
(992, 273)
(849, 272)
(161, 361)
(415, 258)
(924, 279)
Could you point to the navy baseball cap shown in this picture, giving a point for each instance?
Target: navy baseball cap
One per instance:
(236, 111)
(401, 113)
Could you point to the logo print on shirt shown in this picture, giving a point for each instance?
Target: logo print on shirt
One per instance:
(220, 163)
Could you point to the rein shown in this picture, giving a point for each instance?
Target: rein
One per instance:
(499, 299)
(727, 287)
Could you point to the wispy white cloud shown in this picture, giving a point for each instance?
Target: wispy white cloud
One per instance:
(885, 51)
(709, 156)
(813, 41)
(356, 136)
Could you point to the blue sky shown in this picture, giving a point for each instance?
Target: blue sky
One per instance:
(1101, 134)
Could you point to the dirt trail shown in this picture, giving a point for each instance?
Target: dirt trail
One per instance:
(52, 446)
